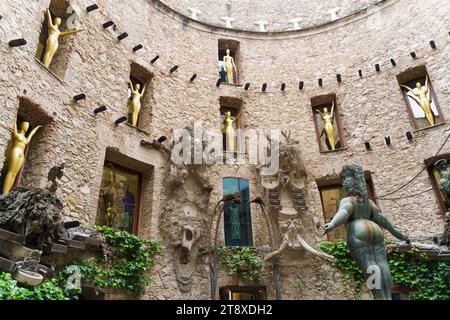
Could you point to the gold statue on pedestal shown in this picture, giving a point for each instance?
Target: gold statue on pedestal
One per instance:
(422, 96)
(230, 67)
(328, 125)
(134, 106)
(16, 156)
(53, 36)
(229, 128)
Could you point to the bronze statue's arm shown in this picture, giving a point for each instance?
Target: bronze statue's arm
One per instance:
(332, 110)
(68, 33)
(49, 20)
(411, 94)
(383, 222)
(342, 216)
(237, 117)
(143, 90)
(131, 86)
(429, 97)
(15, 130)
(321, 113)
(30, 136)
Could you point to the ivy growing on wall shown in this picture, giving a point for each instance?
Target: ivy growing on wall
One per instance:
(241, 261)
(123, 264)
(411, 269)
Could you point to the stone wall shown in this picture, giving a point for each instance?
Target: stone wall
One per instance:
(99, 65)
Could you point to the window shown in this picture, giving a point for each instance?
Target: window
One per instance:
(420, 98)
(119, 198)
(140, 79)
(59, 63)
(327, 123)
(237, 217)
(331, 195)
(229, 61)
(435, 177)
(243, 293)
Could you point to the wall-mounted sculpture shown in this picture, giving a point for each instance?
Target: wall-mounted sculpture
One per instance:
(365, 237)
(183, 221)
(134, 105)
(230, 66)
(327, 118)
(16, 155)
(422, 96)
(229, 128)
(53, 37)
(286, 191)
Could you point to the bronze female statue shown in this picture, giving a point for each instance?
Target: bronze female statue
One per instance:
(134, 105)
(365, 237)
(328, 125)
(16, 156)
(422, 96)
(229, 128)
(230, 67)
(53, 38)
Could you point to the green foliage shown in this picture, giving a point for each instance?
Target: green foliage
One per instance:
(352, 273)
(410, 269)
(48, 290)
(241, 261)
(122, 266)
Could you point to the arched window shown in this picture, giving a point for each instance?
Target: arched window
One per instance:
(237, 217)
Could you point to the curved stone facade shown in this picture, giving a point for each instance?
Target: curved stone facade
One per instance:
(371, 107)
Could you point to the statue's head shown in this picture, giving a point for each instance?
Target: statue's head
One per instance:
(58, 21)
(228, 114)
(354, 181)
(325, 110)
(24, 126)
(228, 52)
(418, 85)
(138, 86)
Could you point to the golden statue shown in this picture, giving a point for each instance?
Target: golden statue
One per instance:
(110, 216)
(229, 128)
(422, 96)
(328, 124)
(134, 105)
(53, 37)
(230, 67)
(16, 156)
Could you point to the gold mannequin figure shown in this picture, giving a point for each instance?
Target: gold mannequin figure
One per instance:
(328, 124)
(134, 105)
(53, 37)
(230, 131)
(16, 156)
(230, 67)
(423, 98)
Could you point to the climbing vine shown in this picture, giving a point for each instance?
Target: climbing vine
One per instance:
(122, 265)
(411, 269)
(241, 261)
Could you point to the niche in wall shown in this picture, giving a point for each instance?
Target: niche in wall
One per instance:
(327, 123)
(234, 107)
(435, 178)
(139, 75)
(420, 98)
(60, 61)
(243, 293)
(229, 65)
(36, 155)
